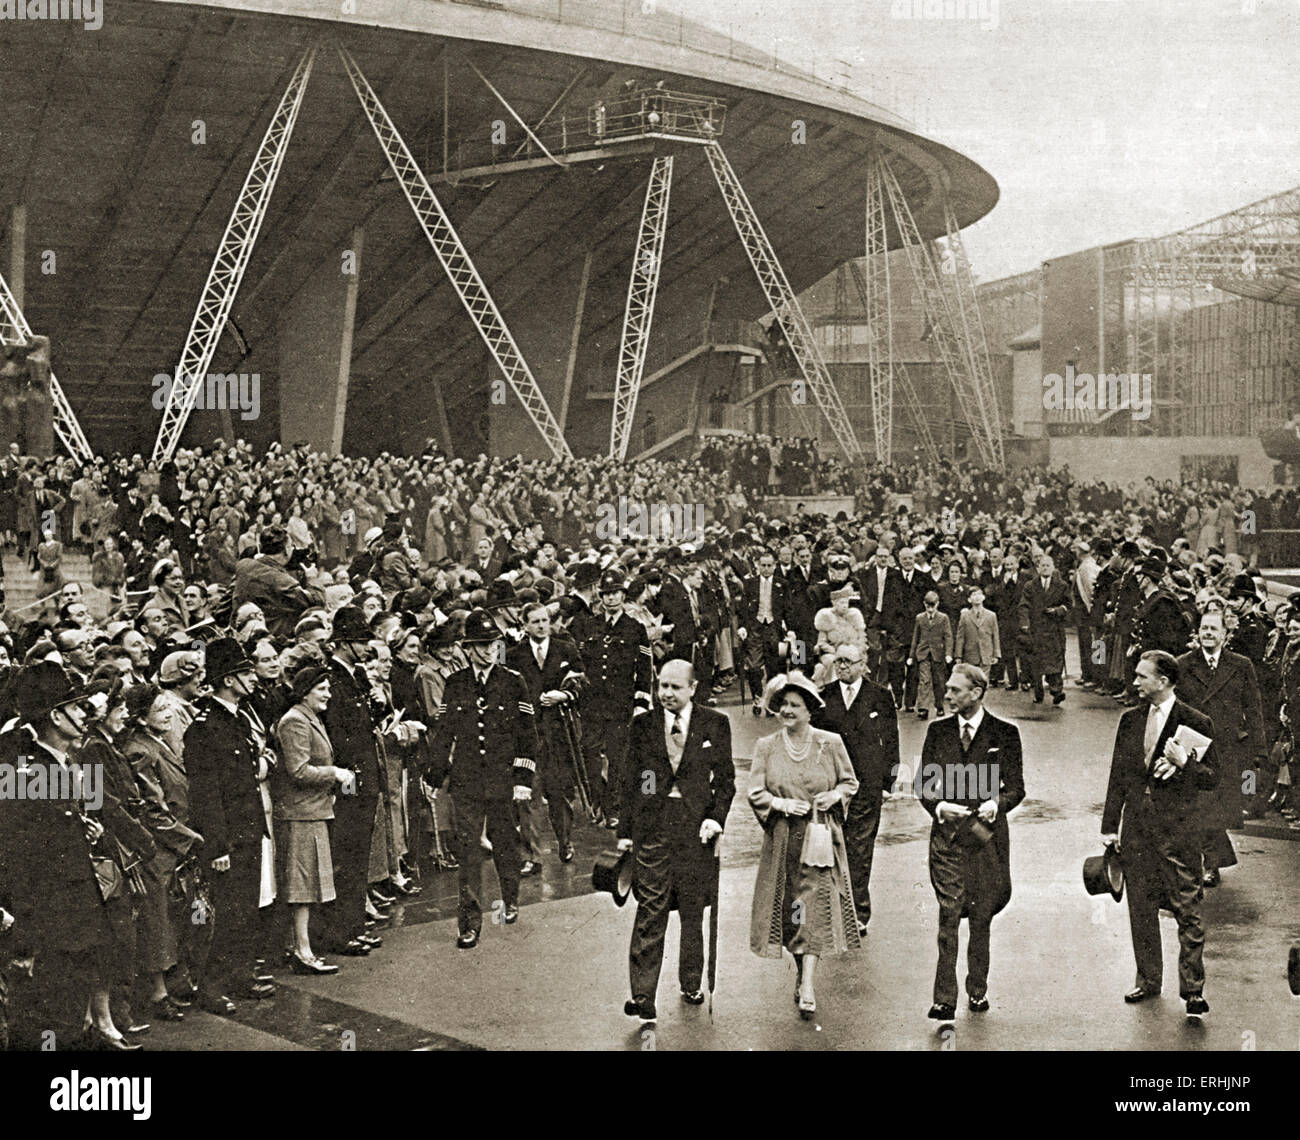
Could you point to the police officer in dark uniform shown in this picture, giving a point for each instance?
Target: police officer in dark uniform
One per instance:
(349, 723)
(619, 667)
(487, 718)
(226, 771)
(552, 670)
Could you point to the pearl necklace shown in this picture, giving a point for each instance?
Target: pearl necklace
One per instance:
(796, 754)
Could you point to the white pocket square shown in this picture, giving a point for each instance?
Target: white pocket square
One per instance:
(873, 715)
(993, 750)
(707, 744)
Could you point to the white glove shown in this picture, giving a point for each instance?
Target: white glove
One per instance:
(522, 794)
(625, 845)
(709, 829)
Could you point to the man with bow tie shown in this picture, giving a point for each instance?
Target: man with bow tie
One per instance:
(970, 779)
(551, 668)
(1152, 794)
(681, 787)
(1222, 685)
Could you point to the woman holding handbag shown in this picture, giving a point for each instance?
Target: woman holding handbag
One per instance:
(800, 784)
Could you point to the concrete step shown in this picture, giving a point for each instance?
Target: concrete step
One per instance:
(22, 584)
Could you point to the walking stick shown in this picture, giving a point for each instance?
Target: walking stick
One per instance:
(713, 923)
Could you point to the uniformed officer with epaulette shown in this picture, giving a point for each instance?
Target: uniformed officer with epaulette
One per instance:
(226, 771)
(620, 669)
(487, 718)
(349, 723)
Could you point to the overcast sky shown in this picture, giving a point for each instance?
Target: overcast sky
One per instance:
(1101, 120)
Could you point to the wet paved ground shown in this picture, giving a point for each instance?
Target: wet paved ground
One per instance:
(1061, 960)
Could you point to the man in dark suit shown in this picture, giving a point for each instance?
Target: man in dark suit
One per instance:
(1221, 684)
(909, 601)
(227, 773)
(550, 666)
(1153, 786)
(762, 623)
(800, 607)
(672, 605)
(864, 717)
(349, 722)
(970, 771)
(681, 787)
(1002, 596)
(1044, 604)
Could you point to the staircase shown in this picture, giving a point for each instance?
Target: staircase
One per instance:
(21, 585)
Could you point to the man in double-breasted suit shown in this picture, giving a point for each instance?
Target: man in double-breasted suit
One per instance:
(1221, 684)
(680, 788)
(1152, 790)
(970, 771)
(551, 668)
(932, 652)
(1044, 604)
(863, 715)
(978, 641)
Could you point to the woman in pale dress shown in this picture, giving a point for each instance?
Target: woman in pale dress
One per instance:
(801, 776)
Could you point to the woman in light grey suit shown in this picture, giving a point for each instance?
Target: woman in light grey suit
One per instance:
(304, 801)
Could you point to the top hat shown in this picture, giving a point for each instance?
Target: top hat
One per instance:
(225, 656)
(500, 593)
(1152, 567)
(584, 574)
(350, 625)
(480, 629)
(612, 874)
(779, 685)
(1104, 874)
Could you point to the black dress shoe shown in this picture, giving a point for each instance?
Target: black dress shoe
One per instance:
(260, 990)
(354, 949)
(1210, 878)
(1197, 1006)
(1293, 969)
(566, 853)
(694, 997)
(942, 1012)
(409, 890)
(467, 941)
(510, 915)
(1136, 995)
(182, 1001)
(262, 976)
(138, 1029)
(380, 898)
(371, 940)
(217, 1004)
(643, 1009)
(166, 1009)
(978, 1005)
(1057, 698)
(530, 867)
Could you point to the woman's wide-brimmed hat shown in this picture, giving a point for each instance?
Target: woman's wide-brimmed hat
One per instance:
(846, 593)
(783, 683)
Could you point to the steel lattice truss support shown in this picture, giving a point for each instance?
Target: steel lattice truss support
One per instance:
(783, 301)
(944, 327)
(233, 255)
(880, 319)
(641, 290)
(14, 330)
(974, 340)
(912, 402)
(455, 259)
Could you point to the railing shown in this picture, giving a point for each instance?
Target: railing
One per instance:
(655, 20)
(1279, 549)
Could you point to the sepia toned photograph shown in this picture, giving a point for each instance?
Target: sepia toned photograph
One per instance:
(622, 526)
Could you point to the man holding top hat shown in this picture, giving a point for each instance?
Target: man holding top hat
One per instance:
(488, 720)
(681, 786)
(1163, 757)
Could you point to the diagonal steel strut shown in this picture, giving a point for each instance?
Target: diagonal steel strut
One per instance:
(14, 329)
(233, 255)
(455, 259)
(783, 301)
(641, 290)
